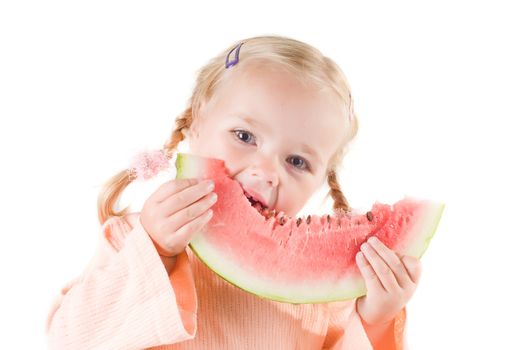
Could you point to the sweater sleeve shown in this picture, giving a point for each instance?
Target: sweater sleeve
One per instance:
(345, 330)
(125, 299)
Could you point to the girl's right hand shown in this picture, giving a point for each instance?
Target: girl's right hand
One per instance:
(175, 212)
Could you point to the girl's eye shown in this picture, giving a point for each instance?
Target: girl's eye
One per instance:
(244, 136)
(298, 162)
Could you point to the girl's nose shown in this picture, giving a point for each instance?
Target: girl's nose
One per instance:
(265, 171)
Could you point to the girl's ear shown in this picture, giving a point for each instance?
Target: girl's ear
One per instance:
(192, 131)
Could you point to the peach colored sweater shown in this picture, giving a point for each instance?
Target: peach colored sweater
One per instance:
(125, 299)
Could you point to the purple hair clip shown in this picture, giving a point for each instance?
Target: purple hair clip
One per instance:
(236, 57)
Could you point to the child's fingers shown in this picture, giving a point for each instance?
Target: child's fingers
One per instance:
(413, 266)
(383, 271)
(183, 236)
(186, 197)
(191, 212)
(170, 187)
(367, 272)
(391, 259)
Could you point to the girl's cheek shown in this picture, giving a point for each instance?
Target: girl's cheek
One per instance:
(236, 158)
(231, 151)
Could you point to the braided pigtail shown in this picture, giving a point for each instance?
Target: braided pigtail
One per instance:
(339, 200)
(113, 188)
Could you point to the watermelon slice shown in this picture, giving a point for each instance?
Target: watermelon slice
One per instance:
(298, 260)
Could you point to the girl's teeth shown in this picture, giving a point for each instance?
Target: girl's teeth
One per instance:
(262, 210)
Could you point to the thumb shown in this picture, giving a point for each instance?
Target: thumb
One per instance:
(413, 266)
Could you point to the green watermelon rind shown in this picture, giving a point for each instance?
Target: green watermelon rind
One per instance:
(305, 294)
(189, 166)
(230, 272)
(432, 216)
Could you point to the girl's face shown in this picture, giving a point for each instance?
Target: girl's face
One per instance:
(275, 135)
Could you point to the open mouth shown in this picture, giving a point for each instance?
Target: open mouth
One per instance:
(255, 203)
(280, 217)
(269, 214)
(260, 207)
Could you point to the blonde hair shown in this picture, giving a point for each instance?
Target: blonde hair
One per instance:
(298, 57)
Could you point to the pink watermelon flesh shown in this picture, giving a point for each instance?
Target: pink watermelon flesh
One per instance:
(299, 260)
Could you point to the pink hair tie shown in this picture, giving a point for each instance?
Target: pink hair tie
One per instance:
(147, 164)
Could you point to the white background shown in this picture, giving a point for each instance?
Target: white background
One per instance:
(439, 87)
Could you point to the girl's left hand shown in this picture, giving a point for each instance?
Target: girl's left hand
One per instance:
(390, 281)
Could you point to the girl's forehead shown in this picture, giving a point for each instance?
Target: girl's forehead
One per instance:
(274, 89)
(265, 72)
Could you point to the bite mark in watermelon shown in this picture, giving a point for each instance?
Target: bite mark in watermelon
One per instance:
(299, 260)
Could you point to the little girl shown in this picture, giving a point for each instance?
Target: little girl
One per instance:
(280, 115)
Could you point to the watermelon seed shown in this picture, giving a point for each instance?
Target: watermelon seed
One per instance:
(369, 215)
(308, 220)
(289, 237)
(281, 221)
(298, 222)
